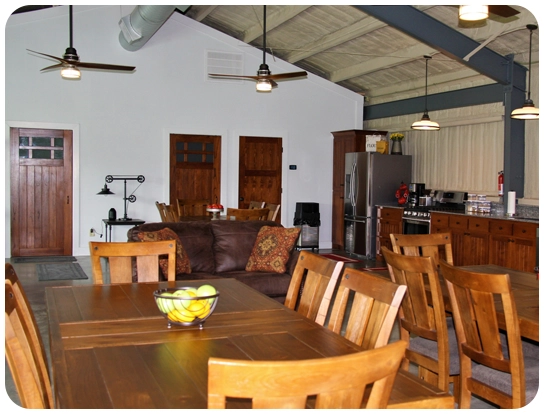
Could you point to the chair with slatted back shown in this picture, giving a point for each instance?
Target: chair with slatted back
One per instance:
(495, 366)
(120, 258)
(187, 207)
(171, 212)
(436, 245)
(312, 285)
(256, 204)
(274, 211)
(338, 382)
(367, 305)
(162, 211)
(242, 214)
(423, 323)
(24, 349)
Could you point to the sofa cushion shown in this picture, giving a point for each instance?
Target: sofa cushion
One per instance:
(272, 249)
(196, 238)
(233, 242)
(182, 260)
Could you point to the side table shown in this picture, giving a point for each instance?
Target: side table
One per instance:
(120, 222)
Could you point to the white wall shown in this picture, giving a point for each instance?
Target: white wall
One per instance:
(123, 120)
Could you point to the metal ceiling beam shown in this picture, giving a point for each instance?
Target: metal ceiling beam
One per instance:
(450, 42)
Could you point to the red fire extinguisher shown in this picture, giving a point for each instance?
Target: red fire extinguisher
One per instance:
(501, 183)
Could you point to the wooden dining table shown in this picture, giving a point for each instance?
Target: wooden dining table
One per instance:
(111, 347)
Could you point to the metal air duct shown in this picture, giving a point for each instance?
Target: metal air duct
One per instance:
(144, 21)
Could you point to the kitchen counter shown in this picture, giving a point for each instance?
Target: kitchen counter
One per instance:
(491, 216)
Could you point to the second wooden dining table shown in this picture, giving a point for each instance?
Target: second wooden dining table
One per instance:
(111, 348)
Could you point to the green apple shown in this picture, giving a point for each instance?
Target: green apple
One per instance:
(207, 290)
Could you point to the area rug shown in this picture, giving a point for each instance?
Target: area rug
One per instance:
(60, 271)
(43, 259)
(339, 258)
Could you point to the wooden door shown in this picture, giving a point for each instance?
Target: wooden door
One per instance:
(195, 167)
(41, 192)
(259, 175)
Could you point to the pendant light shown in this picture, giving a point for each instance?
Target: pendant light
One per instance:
(426, 124)
(473, 13)
(528, 111)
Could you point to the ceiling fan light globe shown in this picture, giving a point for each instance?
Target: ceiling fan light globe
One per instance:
(473, 13)
(426, 124)
(264, 85)
(70, 72)
(528, 111)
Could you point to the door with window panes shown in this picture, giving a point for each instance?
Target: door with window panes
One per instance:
(195, 166)
(41, 192)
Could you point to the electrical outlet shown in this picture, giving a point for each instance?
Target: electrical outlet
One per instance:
(92, 233)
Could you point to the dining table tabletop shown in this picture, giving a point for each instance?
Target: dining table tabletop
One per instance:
(112, 348)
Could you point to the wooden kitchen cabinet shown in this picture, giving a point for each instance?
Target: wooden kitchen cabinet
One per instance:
(389, 221)
(353, 140)
(513, 244)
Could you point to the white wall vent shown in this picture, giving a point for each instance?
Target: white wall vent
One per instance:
(225, 63)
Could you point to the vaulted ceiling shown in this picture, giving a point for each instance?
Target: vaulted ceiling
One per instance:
(378, 51)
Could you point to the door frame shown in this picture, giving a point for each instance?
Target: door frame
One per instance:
(76, 250)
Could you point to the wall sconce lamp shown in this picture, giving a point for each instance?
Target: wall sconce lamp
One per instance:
(131, 198)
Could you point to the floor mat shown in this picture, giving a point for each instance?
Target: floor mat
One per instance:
(43, 259)
(339, 258)
(60, 271)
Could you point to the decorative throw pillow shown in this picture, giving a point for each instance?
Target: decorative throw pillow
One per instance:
(182, 260)
(272, 249)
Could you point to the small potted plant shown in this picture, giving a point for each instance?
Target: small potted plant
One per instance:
(396, 148)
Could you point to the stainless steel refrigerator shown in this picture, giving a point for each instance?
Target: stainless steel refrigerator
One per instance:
(371, 179)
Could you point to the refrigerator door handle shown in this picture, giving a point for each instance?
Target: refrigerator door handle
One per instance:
(353, 184)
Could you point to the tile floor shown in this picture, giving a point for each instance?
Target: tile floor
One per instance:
(35, 292)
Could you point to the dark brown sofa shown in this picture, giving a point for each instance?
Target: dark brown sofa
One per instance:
(221, 248)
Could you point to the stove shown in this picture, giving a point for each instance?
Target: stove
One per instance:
(424, 212)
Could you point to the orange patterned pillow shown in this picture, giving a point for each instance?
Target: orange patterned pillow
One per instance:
(182, 260)
(272, 249)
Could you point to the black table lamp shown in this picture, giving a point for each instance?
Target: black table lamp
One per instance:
(131, 198)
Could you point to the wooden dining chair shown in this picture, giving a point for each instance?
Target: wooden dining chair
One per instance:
(256, 204)
(24, 351)
(248, 214)
(423, 323)
(162, 211)
(187, 207)
(436, 245)
(312, 285)
(338, 382)
(494, 366)
(120, 257)
(367, 306)
(274, 210)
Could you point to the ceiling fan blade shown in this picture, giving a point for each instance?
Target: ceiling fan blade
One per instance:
(51, 56)
(289, 75)
(104, 66)
(246, 77)
(503, 11)
(58, 65)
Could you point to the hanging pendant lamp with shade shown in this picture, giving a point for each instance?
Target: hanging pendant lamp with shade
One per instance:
(426, 124)
(528, 111)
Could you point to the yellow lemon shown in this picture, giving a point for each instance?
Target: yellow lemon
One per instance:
(181, 316)
(196, 305)
(203, 312)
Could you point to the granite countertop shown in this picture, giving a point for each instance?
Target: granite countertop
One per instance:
(527, 219)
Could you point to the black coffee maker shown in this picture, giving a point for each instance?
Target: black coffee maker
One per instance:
(415, 190)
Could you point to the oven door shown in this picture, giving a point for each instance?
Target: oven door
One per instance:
(416, 226)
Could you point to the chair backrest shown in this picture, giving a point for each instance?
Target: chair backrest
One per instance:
(338, 382)
(420, 315)
(171, 212)
(274, 210)
(248, 213)
(436, 245)
(188, 207)
(256, 204)
(162, 211)
(477, 327)
(120, 256)
(312, 285)
(24, 350)
(369, 304)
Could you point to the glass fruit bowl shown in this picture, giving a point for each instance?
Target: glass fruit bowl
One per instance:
(186, 306)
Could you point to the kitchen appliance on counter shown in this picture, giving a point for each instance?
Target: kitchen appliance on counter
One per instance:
(417, 219)
(370, 179)
(415, 190)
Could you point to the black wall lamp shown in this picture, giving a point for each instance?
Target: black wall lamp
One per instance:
(131, 198)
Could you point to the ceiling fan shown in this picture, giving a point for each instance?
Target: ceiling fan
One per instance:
(69, 63)
(475, 15)
(265, 79)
